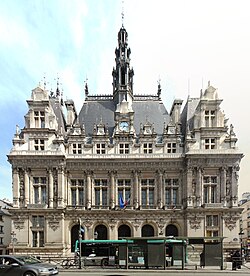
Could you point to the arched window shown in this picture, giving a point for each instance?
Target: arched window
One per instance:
(124, 231)
(101, 232)
(147, 231)
(171, 230)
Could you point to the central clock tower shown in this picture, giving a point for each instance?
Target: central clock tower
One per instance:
(123, 87)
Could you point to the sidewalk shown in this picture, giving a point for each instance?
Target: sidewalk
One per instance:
(189, 269)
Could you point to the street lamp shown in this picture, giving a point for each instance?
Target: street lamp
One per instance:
(80, 241)
(241, 247)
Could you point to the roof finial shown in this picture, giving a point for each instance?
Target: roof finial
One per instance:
(159, 88)
(86, 88)
(57, 86)
(62, 97)
(44, 81)
(122, 13)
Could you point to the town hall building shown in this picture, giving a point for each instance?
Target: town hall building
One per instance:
(123, 166)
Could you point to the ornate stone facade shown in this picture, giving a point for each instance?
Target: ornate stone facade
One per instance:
(124, 166)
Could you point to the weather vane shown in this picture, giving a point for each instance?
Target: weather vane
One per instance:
(122, 12)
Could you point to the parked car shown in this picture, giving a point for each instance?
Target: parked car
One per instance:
(18, 265)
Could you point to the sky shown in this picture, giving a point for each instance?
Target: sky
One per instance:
(182, 43)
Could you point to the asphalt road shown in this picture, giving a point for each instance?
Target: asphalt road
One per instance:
(151, 273)
(114, 272)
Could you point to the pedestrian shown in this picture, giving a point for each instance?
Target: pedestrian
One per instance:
(202, 259)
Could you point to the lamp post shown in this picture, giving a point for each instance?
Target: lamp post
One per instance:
(241, 246)
(80, 245)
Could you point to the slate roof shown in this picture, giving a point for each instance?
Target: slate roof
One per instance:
(93, 112)
(56, 106)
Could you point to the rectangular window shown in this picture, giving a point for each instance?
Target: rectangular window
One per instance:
(147, 148)
(147, 192)
(77, 192)
(171, 147)
(124, 189)
(39, 117)
(40, 190)
(1, 229)
(1, 240)
(101, 192)
(171, 191)
(101, 148)
(39, 144)
(210, 143)
(38, 221)
(210, 189)
(210, 118)
(124, 148)
(212, 220)
(37, 238)
(77, 148)
(212, 233)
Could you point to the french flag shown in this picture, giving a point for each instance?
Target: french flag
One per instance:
(123, 204)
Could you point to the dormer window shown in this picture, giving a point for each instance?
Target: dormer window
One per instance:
(171, 147)
(39, 144)
(147, 148)
(210, 143)
(209, 118)
(100, 148)
(39, 117)
(77, 148)
(124, 148)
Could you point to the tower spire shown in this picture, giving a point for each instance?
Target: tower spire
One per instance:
(122, 73)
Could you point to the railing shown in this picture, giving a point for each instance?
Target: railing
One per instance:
(125, 156)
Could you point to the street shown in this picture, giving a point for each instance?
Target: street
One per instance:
(138, 272)
(151, 273)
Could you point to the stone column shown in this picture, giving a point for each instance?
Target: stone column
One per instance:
(139, 192)
(223, 185)
(159, 200)
(16, 188)
(199, 187)
(189, 187)
(136, 190)
(112, 190)
(88, 194)
(50, 189)
(26, 188)
(61, 187)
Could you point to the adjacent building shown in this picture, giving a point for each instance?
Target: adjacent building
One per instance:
(123, 166)
(5, 226)
(244, 230)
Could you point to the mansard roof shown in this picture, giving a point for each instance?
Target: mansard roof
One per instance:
(148, 109)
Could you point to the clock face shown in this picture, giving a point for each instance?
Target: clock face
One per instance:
(123, 126)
